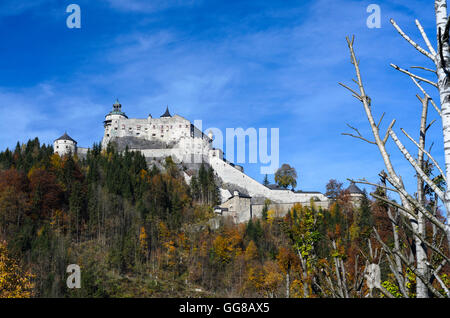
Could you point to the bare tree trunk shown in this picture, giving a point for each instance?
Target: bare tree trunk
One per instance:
(443, 84)
(421, 253)
(304, 275)
(398, 269)
(442, 61)
(288, 284)
(414, 210)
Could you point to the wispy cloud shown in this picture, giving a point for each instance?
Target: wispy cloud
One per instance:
(271, 64)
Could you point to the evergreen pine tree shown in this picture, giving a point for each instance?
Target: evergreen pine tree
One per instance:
(266, 180)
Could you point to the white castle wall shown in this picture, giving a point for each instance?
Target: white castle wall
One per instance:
(82, 151)
(187, 144)
(242, 210)
(175, 131)
(238, 208)
(231, 175)
(281, 209)
(224, 195)
(160, 153)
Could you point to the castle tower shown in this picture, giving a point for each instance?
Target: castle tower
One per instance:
(356, 195)
(64, 145)
(117, 107)
(111, 123)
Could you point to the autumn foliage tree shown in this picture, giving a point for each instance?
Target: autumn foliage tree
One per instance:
(286, 176)
(140, 231)
(14, 281)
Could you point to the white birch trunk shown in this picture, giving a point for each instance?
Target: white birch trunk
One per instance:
(413, 209)
(288, 284)
(421, 254)
(444, 95)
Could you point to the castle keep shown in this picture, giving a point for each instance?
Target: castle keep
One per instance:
(242, 197)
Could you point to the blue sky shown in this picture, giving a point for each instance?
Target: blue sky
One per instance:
(271, 64)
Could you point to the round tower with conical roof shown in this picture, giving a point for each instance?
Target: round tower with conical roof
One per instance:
(111, 123)
(356, 194)
(65, 145)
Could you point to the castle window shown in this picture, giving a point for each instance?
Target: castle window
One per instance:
(180, 126)
(138, 127)
(153, 135)
(57, 147)
(154, 126)
(187, 126)
(123, 127)
(171, 126)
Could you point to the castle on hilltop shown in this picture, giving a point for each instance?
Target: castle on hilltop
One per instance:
(242, 197)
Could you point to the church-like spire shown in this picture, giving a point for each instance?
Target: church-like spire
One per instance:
(167, 113)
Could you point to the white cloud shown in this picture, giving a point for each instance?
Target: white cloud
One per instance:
(283, 76)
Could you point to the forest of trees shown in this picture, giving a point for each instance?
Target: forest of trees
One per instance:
(143, 232)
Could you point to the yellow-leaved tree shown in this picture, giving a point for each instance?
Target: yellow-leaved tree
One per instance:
(14, 281)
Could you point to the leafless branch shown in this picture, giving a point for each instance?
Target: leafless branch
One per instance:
(431, 246)
(356, 95)
(435, 274)
(404, 260)
(379, 122)
(425, 152)
(424, 68)
(414, 75)
(359, 137)
(416, 167)
(426, 95)
(416, 204)
(425, 38)
(362, 181)
(410, 41)
(386, 136)
(430, 124)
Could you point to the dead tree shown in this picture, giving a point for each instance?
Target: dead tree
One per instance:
(413, 211)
